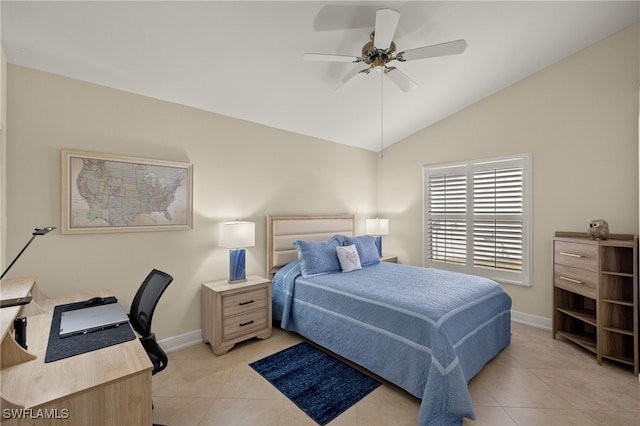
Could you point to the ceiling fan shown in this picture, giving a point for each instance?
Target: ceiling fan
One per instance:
(381, 50)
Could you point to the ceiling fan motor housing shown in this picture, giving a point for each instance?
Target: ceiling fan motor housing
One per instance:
(378, 58)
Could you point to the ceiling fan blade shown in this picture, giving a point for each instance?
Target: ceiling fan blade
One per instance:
(442, 49)
(400, 79)
(351, 75)
(386, 23)
(321, 57)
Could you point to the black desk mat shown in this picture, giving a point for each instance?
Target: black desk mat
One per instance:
(60, 348)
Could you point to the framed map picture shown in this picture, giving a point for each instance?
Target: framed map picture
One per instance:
(113, 193)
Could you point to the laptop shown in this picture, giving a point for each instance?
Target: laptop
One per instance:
(94, 318)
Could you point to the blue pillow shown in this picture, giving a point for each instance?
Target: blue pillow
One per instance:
(366, 246)
(318, 257)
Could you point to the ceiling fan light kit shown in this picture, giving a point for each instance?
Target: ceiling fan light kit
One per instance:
(381, 49)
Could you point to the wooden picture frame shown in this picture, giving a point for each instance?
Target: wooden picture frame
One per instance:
(114, 193)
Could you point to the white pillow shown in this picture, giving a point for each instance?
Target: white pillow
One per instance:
(348, 257)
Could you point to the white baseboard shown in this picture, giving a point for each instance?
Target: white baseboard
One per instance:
(532, 320)
(181, 341)
(191, 338)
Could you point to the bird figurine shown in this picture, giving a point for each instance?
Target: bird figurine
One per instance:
(598, 229)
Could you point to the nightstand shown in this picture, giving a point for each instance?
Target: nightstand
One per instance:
(235, 312)
(388, 258)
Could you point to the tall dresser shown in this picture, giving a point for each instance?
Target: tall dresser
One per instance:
(595, 295)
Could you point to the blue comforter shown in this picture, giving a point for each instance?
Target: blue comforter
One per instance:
(425, 330)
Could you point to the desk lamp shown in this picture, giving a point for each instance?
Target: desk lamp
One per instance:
(236, 236)
(37, 231)
(377, 227)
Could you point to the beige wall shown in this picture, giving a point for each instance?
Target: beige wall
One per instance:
(3, 151)
(241, 170)
(578, 118)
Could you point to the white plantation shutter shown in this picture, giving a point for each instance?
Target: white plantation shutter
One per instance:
(476, 218)
(497, 223)
(447, 224)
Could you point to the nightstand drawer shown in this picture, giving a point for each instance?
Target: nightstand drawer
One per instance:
(243, 302)
(243, 324)
(577, 280)
(576, 255)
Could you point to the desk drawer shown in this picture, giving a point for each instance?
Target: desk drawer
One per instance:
(576, 280)
(243, 324)
(576, 255)
(243, 302)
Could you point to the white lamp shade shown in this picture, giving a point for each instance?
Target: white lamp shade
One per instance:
(377, 226)
(237, 234)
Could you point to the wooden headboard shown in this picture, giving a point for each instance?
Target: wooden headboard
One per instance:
(282, 230)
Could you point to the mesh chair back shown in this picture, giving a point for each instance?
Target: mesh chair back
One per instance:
(146, 299)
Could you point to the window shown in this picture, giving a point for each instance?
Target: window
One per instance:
(477, 218)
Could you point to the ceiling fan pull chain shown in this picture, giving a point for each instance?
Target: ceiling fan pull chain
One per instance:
(381, 115)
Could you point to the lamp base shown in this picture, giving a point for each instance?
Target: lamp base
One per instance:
(378, 240)
(237, 266)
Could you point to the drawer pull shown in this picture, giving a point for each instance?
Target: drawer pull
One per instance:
(564, 253)
(246, 323)
(571, 280)
(246, 303)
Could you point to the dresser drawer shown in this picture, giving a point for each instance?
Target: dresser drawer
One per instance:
(576, 255)
(243, 302)
(243, 324)
(576, 280)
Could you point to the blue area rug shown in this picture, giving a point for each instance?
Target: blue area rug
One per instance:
(320, 385)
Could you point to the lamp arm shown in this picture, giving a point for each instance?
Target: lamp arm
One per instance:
(18, 256)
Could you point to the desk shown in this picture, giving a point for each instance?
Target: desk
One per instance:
(110, 386)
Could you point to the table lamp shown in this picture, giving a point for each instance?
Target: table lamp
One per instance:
(236, 236)
(37, 231)
(377, 227)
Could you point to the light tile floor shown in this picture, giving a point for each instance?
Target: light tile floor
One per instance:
(535, 381)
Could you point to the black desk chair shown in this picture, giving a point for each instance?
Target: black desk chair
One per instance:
(141, 313)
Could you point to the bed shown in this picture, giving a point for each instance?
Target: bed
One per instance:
(425, 330)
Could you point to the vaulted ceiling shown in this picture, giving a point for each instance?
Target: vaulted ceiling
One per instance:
(243, 58)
